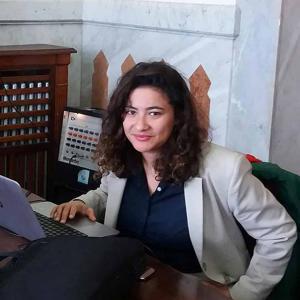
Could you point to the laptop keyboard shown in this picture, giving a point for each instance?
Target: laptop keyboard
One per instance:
(54, 228)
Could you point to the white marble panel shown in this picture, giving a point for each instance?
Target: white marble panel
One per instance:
(253, 83)
(62, 35)
(40, 10)
(285, 138)
(183, 51)
(184, 17)
(222, 2)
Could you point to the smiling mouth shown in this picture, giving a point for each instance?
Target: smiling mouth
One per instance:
(142, 137)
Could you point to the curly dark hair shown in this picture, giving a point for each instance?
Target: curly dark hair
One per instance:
(180, 156)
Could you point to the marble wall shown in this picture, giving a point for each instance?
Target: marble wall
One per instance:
(236, 44)
(185, 35)
(236, 41)
(253, 77)
(219, 2)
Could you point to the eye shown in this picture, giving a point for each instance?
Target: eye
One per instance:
(130, 111)
(155, 113)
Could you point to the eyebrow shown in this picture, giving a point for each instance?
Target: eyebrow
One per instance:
(148, 108)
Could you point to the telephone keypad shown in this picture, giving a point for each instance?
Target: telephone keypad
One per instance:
(80, 136)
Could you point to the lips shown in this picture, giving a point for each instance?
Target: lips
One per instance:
(142, 137)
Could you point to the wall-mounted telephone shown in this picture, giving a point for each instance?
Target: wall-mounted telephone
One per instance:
(75, 168)
(79, 137)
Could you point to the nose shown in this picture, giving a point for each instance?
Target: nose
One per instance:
(141, 123)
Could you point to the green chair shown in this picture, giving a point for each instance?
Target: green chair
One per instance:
(285, 186)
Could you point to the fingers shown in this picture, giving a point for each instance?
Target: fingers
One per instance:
(65, 211)
(89, 212)
(56, 212)
(60, 212)
(68, 210)
(73, 210)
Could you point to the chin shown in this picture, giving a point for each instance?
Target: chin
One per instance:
(143, 148)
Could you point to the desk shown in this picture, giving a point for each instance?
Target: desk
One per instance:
(165, 284)
(169, 284)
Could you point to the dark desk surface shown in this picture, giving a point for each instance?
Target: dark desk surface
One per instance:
(169, 284)
(165, 284)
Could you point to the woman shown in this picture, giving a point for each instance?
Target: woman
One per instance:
(166, 185)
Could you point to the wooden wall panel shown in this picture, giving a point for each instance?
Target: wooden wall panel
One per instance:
(33, 95)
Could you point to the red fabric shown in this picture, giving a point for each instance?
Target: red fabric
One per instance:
(252, 158)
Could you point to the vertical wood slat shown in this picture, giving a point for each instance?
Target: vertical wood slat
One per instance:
(11, 166)
(31, 172)
(3, 165)
(19, 172)
(59, 102)
(41, 173)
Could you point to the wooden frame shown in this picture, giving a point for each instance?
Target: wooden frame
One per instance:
(33, 95)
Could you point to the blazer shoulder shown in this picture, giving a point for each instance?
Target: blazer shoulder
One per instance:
(220, 160)
(216, 153)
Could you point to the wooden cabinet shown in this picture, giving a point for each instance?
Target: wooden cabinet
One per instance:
(33, 95)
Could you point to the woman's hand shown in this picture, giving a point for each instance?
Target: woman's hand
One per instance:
(69, 210)
(222, 289)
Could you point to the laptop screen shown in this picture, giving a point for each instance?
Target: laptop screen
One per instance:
(16, 213)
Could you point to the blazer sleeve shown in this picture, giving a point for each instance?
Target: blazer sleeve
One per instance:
(97, 199)
(266, 220)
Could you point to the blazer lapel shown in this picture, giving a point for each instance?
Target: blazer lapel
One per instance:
(116, 188)
(194, 210)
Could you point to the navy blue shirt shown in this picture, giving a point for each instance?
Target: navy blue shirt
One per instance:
(159, 221)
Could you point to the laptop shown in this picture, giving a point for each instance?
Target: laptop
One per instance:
(21, 218)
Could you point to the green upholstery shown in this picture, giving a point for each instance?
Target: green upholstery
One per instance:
(285, 186)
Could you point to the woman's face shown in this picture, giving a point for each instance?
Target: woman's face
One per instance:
(148, 119)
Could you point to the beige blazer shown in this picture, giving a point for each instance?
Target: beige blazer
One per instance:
(224, 191)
